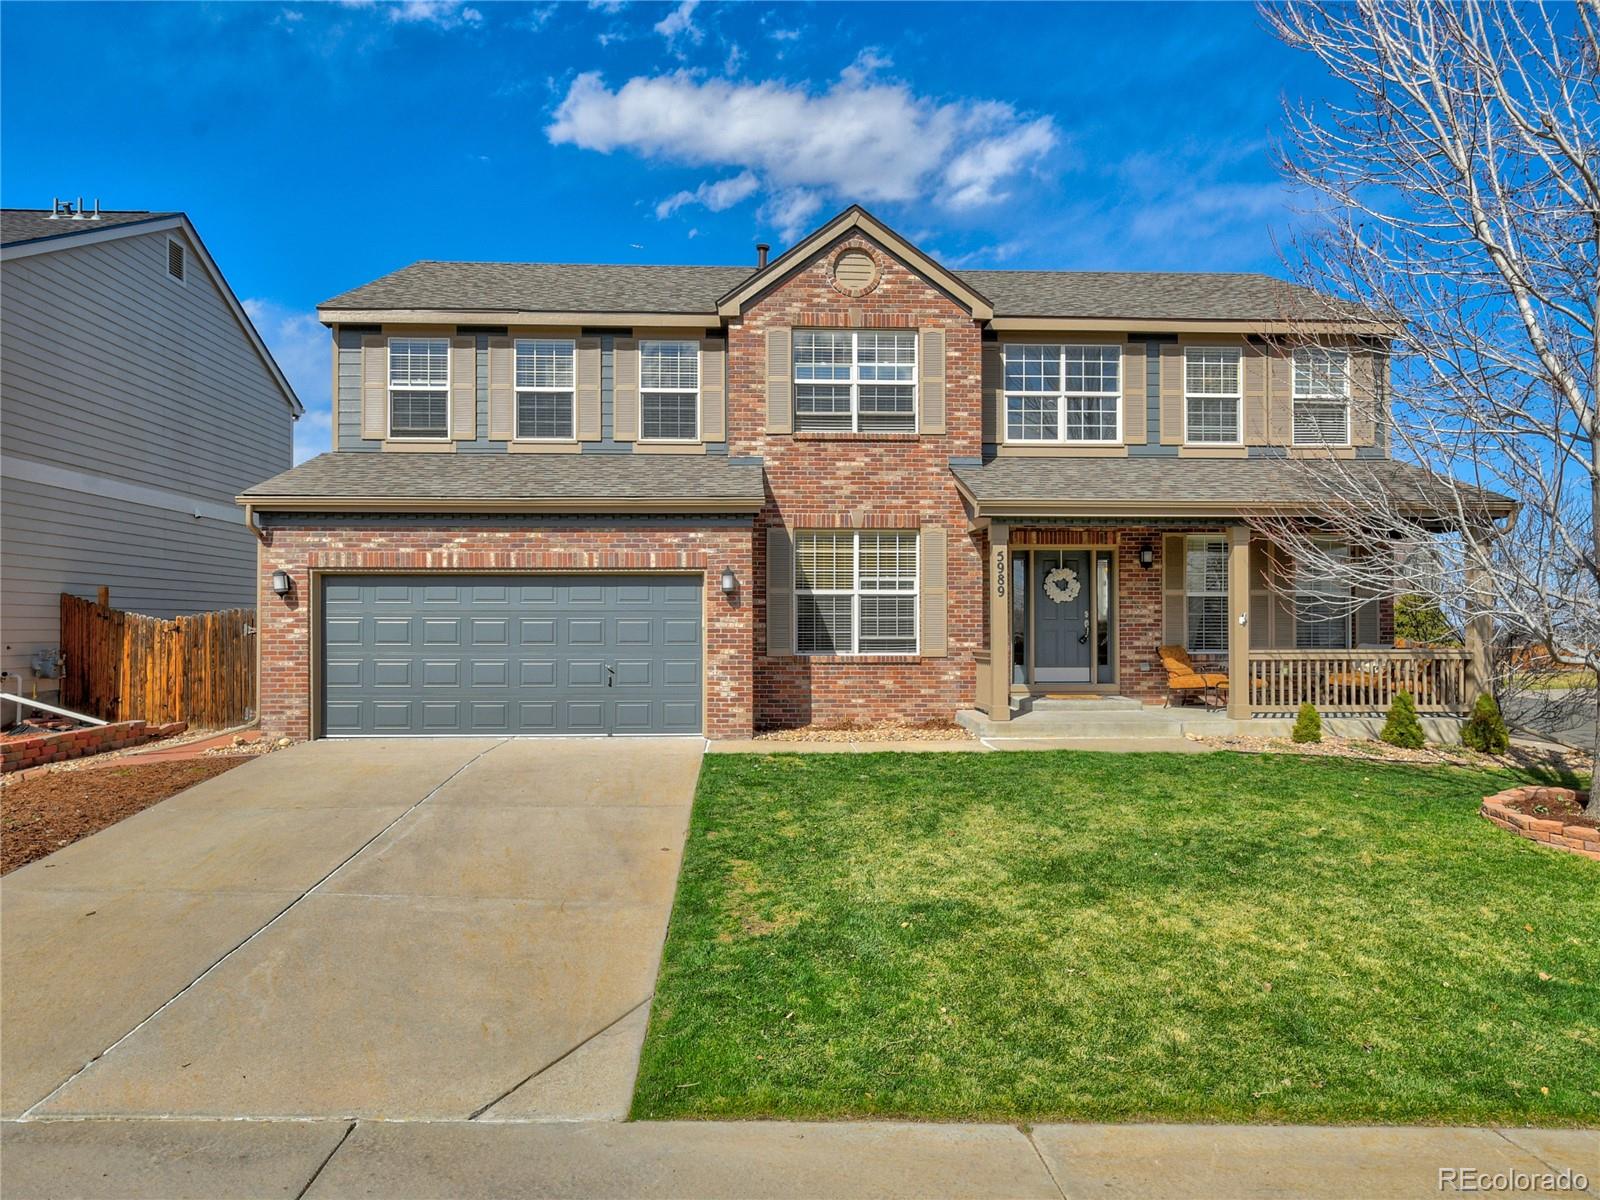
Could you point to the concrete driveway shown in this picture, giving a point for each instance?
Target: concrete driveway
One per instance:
(401, 930)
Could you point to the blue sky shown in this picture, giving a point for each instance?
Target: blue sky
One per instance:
(317, 146)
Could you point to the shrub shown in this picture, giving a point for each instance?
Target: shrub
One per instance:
(1486, 731)
(1418, 619)
(1308, 725)
(1402, 728)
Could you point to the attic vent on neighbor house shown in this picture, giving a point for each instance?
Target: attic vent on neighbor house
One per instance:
(175, 263)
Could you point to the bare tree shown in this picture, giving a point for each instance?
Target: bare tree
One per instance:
(1453, 171)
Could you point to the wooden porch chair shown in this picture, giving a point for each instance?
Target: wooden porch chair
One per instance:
(1184, 680)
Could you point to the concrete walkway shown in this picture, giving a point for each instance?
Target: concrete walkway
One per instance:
(403, 930)
(170, 1160)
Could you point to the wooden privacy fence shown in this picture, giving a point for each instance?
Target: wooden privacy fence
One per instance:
(123, 666)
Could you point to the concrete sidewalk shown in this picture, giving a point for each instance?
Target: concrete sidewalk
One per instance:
(326, 1160)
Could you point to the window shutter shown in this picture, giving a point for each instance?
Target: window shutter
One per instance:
(374, 386)
(780, 390)
(502, 390)
(930, 395)
(780, 591)
(1172, 394)
(931, 565)
(713, 390)
(587, 372)
(1365, 625)
(1260, 596)
(1281, 582)
(1135, 404)
(1280, 396)
(625, 390)
(994, 401)
(1253, 370)
(463, 389)
(1363, 398)
(1173, 631)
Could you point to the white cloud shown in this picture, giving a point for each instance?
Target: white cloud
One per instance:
(722, 194)
(785, 35)
(679, 23)
(606, 6)
(862, 138)
(442, 14)
(301, 347)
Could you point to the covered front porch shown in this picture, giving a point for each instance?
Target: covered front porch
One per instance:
(1084, 610)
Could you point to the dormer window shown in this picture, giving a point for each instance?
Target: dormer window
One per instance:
(860, 382)
(545, 390)
(419, 389)
(669, 391)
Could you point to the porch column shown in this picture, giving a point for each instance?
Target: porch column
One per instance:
(1479, 633)
(1239, 698)
(999, 698)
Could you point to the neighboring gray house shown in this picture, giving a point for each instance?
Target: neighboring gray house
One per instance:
(136, 401)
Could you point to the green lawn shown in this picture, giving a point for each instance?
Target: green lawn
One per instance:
(1099, 936)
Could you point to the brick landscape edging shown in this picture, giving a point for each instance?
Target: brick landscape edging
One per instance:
(1547, 831)
(77, 743)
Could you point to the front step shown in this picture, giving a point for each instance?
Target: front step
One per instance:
(1091, 724)
(1080, 704)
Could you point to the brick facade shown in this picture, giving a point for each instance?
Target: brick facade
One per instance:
(844, 480)
(417, 544)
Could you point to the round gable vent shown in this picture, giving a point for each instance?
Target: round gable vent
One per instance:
(855, 273)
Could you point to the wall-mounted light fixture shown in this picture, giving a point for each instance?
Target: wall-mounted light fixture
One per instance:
(730, 584)
(281, 583)
(1147, 557)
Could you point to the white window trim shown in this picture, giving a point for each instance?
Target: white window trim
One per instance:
(695, 391)
(856, 592)
(390, 388)
(1062, 396)
(855, 381)
(518, 392)
(1236, 396)
(1188, 545)
(166, 266)
(1328, 400)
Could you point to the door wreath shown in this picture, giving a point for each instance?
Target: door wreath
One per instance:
(1061, 585)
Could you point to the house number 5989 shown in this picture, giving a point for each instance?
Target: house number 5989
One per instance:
(1000, 572)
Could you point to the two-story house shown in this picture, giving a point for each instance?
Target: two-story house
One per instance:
(136, 400)
(847, 484)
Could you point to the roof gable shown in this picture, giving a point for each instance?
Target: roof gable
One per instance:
(87, 231)
(855, 218)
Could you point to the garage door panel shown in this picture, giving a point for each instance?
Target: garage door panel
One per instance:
(425, 655)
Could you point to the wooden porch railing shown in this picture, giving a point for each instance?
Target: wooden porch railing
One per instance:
(1357, 681)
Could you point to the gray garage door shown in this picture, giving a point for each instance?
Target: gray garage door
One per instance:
(450, 654)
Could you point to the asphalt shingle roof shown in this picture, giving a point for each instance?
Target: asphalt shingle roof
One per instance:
(547, 287)
(579, 287)
(536, 478)
(19, 225)
(1168, 480)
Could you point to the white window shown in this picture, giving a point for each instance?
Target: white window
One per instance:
(419, 388)
(544, 390)
(1321, 397)
(855, 593)
(1322, 600)
(1211, 395)
(669, 391)
(864, 382)
(1063, 393)
(1205, 587)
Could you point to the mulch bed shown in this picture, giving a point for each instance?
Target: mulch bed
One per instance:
(1554, 808)
(40, 815)
(869, 731)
